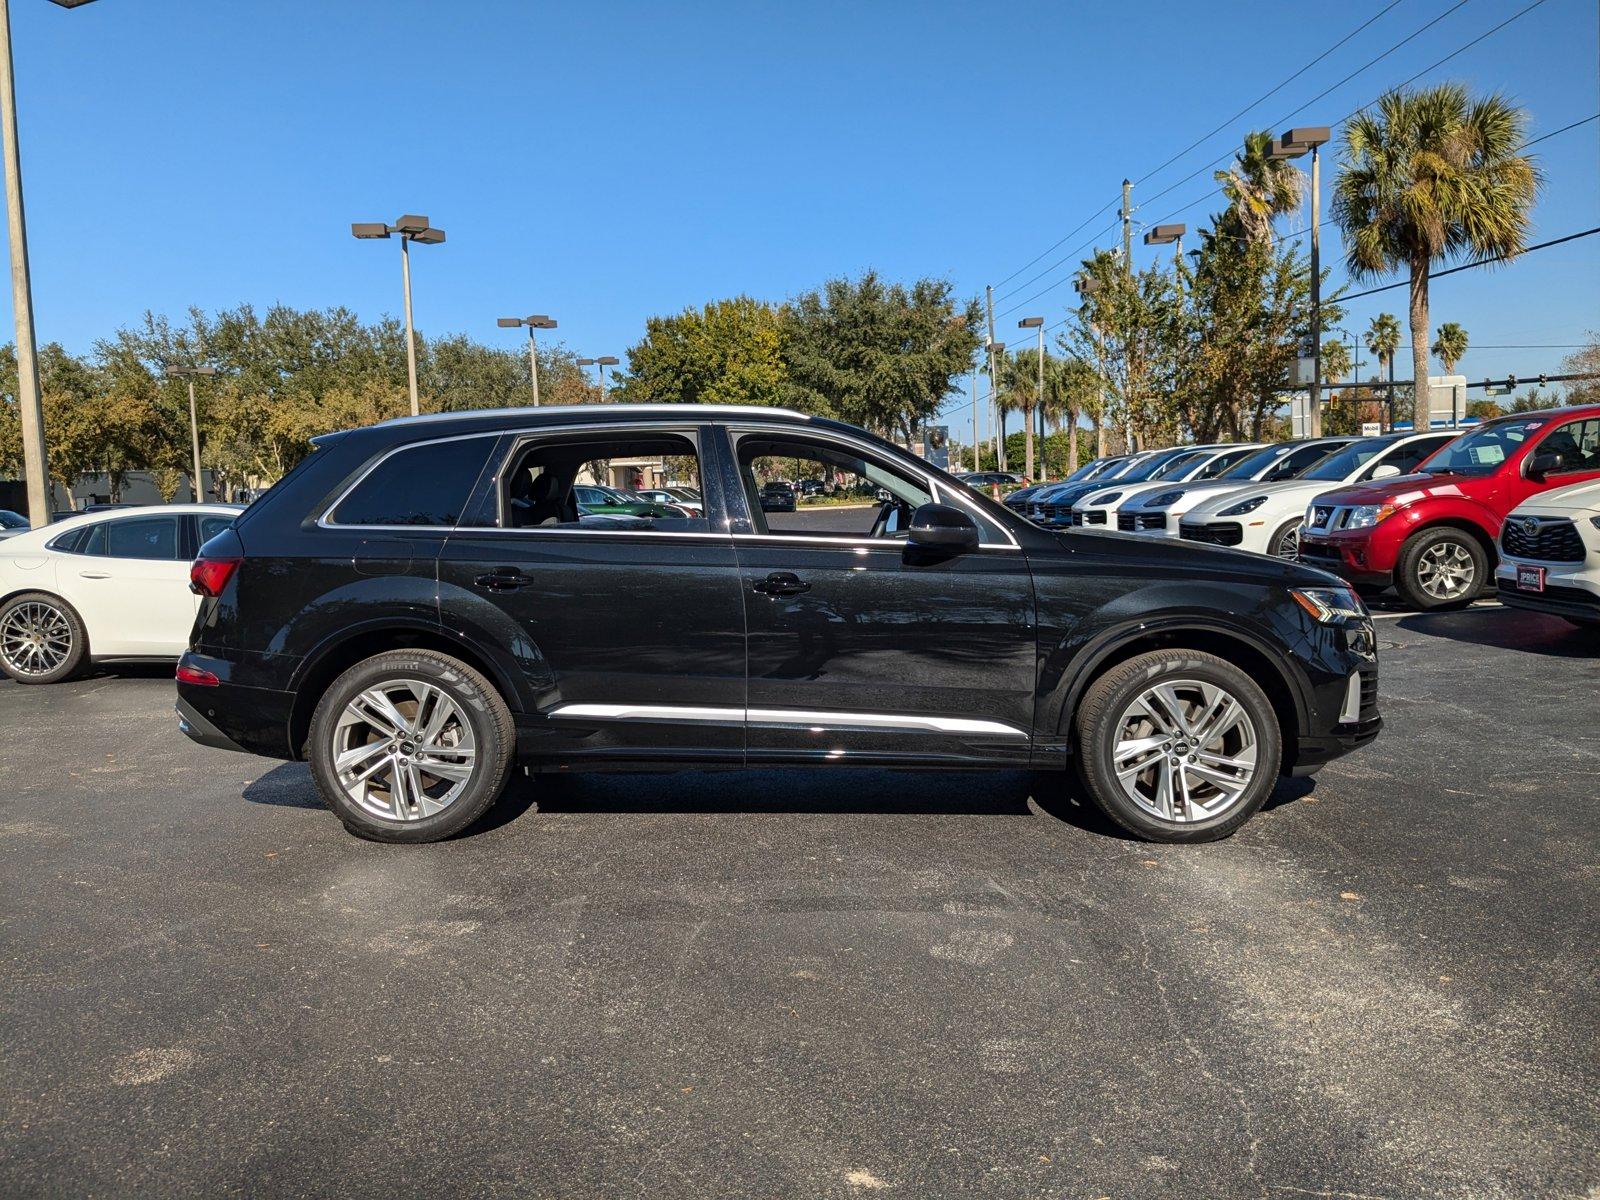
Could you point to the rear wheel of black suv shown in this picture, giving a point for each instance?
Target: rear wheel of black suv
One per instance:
(410, 746)
(1178, 746)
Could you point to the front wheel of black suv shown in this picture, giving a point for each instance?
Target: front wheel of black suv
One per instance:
(1178, 746)
(410, 746)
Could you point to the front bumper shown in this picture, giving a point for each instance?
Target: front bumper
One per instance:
(1570, 590)
(1349, 558)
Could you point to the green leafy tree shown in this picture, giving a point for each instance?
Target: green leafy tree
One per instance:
(1433, 175)
(1451, 346)
(1585, 362)
(728, 352)
(878, 354)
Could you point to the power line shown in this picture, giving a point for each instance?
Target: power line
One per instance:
(1267, 96)
(1094, 216)
(1482, 262)
(1458, 50)
(1289, 116)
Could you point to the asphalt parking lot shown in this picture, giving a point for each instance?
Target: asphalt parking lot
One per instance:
(816, 984)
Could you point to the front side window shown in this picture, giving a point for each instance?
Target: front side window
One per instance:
(140, 537)
(423, 485)
(605, 482)
(1578, 443)
(860, 497)
(213, 525)
(1485, 448)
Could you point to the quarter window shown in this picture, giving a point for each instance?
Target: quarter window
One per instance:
(427, 484)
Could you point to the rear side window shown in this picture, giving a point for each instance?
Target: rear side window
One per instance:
(148, 537)
(427, 484)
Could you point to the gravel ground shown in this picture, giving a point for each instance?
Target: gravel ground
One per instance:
(833, 983)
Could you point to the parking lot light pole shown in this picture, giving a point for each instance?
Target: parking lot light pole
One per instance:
(1294, 143)
(600, 364)
(1038, 397)
(411, 228)
(189, 373)
(537, 321)
(35, 466)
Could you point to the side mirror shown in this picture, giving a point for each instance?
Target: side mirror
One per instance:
(944, 527)
(1384, 471)
(1544, 462)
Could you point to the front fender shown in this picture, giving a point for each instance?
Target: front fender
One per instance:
(1071, 655)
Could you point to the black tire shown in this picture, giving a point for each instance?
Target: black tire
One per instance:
(1288, 536)
(1446, 539)
(477, 700)
(1097, 725)
(77, 656)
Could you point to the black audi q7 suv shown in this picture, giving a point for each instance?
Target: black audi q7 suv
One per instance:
(419, 606)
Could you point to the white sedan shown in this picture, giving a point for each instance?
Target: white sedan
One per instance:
(1266, 518)
(102, 586)
(1105, 507)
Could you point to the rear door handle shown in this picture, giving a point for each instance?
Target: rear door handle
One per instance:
(504, 579)
(782, 583)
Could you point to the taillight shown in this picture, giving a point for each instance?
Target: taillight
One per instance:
(196, 676)
(208, 576)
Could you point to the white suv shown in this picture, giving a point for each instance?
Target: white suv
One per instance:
(1550, 554)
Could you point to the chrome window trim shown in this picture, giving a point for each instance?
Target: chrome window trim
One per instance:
(326, 521)
(785, 716)
(936, 489)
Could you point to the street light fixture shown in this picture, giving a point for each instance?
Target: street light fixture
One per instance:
(1167, 235)
(35, 465)
(1294, 143)
(190, 374)
(537, 321)
(411, 228)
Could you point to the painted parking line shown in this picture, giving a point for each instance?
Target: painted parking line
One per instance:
(1449, 612)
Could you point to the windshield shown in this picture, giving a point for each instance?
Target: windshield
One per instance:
(11, 520)
(1175, 467)
(1146, 469)
(1348, 461)
(1255, 463)
(1482, 450)
(1089, 470)
(1301, 459)
(1222, 462)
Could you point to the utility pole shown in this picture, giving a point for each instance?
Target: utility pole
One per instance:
(35, 465)
(1038, 398)
(974, 465)
(1127, 265)
(189, 373)
(994, 386)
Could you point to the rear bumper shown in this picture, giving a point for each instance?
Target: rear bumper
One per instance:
(233, 716)
(198, 729)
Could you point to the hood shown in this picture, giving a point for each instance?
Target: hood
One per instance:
(1070, 493)
(1398, 489)
(1276, 490)
(1204, 487)
(1210, 562)
(1561, 501)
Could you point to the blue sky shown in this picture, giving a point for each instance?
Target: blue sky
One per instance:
(603, 162)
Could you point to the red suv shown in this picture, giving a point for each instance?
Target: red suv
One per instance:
(1432, 534)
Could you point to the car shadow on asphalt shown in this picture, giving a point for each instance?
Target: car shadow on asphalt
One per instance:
(1503, 628)
(825, 792)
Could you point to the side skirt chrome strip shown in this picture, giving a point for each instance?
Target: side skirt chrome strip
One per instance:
(786, 716)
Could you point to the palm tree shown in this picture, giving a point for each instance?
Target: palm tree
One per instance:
(1383, 339)
(1335, 360)
(1433, 175)
(1451, 346)
(1019, 383)
(1260, 188)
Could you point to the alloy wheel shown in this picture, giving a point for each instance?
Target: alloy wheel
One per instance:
(403, 750)
(1185, 751)
(1446, 571)
(1289, 544)
(35, 638)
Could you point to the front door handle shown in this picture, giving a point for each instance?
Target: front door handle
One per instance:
(503, 579)
(93, 575)
(782, 583)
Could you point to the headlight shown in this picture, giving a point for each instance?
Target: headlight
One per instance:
(1330, 604)
(1244, 506)
(1108, 498)
(1595, 521)
(1164, 499)
(1365, 516)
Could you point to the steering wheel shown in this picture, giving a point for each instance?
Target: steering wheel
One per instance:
(887, 509)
